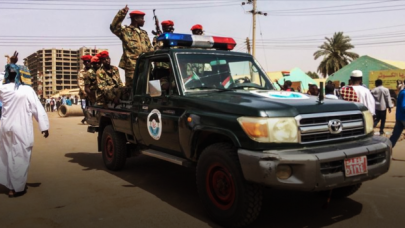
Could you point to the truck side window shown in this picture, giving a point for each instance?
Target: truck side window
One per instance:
(162, 70)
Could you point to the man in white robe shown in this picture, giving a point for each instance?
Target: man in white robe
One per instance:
(358, 93)
(20, 104)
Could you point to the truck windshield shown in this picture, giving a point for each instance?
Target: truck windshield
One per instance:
(211, 71)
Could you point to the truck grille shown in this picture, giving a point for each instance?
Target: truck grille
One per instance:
(314, 128)
(338, 166)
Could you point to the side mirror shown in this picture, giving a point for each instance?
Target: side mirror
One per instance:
(154, 88)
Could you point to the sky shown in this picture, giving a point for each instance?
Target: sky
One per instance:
(286, 38)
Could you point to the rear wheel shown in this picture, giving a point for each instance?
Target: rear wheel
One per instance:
(228, 197)
(113, 149)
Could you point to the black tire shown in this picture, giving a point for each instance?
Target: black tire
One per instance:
(113, 149)
(343, 192)
(228, 198)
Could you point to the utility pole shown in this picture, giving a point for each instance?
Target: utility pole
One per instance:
(248, 44)
(254, 28)
(254, 12)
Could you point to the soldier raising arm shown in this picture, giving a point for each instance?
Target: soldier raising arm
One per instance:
(135, 41)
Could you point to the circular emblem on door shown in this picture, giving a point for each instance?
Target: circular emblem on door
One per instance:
(335, 126)
(154, 123)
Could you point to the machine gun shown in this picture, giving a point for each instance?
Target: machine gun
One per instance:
(157, 27)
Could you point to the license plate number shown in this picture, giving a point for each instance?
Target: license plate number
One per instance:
(355, 166)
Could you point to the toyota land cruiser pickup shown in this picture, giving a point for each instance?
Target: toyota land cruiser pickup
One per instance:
(217, 111)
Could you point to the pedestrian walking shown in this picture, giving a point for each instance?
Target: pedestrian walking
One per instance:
(135, 41)
(400, 118)
(48, 104)
(382, 103)
(355, 92)
(20, 104)
(63, 100)
(58, 103)
(52, 104)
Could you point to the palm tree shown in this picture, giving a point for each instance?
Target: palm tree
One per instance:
(335, 54)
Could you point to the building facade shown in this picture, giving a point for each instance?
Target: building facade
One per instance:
(53, 70)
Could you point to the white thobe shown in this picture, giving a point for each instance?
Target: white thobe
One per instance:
(17, 134)
(365, 97)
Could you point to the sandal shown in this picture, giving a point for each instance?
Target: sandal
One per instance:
(11, 194)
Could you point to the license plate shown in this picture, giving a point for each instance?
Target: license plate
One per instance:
(355, 166)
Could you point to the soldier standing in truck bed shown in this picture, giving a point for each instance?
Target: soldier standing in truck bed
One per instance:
(167, 27)
(197, 68)
(109, 83)
(81, 77)
(91, 81)
(135, 41)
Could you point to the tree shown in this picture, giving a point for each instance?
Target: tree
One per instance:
(313, 75)
(335, 54)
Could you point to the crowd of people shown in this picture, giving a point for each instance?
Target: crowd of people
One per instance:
(52, 104)
(378, 100)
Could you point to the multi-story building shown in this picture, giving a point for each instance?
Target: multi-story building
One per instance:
(53, 70)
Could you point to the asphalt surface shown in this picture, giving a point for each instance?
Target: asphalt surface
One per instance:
(68, 186)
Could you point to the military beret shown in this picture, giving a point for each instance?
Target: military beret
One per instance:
(197, 26)
(167, 23)
(95, 59)
(136, 13)
(86, 57)
(103, 55)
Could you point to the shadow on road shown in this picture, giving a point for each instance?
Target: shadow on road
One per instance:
(4, 190)
(176, 185)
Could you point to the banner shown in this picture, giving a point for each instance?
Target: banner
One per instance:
(389, 78)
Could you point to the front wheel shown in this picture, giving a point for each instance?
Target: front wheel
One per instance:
(228, 197)
(113, 149)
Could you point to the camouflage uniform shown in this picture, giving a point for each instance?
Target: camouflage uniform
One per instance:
(91, 81)
(135, 41)
(108, 85)
(81, 77)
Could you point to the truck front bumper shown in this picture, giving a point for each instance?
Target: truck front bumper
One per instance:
(316, 168)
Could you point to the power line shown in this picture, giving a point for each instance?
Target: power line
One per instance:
(338, 6)
(100, 9)
(333, 8)
(182, 3)
(332, 14)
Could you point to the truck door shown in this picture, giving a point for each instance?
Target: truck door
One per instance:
(159, 116)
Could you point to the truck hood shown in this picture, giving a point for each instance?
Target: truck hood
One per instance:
(266, 103)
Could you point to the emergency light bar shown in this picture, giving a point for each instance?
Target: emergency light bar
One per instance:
(196, 41)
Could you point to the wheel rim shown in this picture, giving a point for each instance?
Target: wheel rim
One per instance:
(220, 186)
(109, 148)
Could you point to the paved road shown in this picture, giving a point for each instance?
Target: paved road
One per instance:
(69, 187)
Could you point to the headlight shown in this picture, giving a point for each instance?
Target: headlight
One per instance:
(270, 130)
(369, 121)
